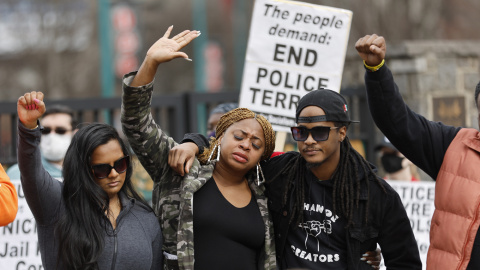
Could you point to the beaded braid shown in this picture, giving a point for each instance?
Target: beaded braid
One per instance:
(346, 187)
(232, 117)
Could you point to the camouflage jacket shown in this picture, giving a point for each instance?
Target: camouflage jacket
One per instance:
(173, 194)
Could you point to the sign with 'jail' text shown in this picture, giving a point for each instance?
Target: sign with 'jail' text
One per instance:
(19, 247)
(293, 48)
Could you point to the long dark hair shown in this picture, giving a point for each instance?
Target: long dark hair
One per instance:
(81, 230)
(346, 187)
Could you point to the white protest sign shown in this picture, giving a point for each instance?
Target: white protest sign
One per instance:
(293, 48)
(19, 248)
(418, 200)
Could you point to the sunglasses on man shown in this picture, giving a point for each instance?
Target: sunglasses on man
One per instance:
(319, 133)
(58, 130)
(103, 170)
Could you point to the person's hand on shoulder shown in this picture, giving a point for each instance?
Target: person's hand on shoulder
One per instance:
(372, 49)
(30, 107)
(181, 157)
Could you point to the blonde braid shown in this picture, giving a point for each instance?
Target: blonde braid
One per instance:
(234, 116)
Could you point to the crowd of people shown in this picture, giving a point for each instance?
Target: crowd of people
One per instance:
(226, 201)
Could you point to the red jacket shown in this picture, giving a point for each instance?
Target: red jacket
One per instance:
(8, 199)
(457, 204)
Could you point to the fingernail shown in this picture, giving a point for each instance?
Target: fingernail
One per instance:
(199, 34)
(374, 267)
(362, 259)
(365, 254)
(36, 100)
(171, 25)
(369, 262)
(188, 59)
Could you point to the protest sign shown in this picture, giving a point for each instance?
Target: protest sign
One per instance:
(293, 48)
(418, 200)
(19, 245)
(19, 248)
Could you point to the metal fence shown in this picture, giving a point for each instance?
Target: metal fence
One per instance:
(177, 114)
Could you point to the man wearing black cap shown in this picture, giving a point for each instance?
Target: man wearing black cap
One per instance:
(328, 206)
(448, 154)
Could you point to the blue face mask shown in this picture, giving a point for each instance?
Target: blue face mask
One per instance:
(211, 134)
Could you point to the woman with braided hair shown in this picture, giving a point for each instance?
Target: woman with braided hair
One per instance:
(216, 216)
(328, 206)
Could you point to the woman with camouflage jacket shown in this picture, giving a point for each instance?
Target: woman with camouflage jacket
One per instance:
(216, 216)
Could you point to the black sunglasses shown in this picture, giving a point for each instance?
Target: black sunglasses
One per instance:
(58, 130)
(318, 133)
(103, 170)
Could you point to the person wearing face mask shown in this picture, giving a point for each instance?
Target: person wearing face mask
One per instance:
(58, 125)
(396, 166)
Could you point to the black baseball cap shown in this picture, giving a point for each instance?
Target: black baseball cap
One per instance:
(385, 143)
(332, 103)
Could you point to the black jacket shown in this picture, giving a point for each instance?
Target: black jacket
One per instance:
(422, 141)
(388, 224)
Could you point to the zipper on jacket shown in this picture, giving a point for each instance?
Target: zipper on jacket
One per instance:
(114, 249)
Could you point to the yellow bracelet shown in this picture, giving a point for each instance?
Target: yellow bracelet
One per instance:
(375, 68)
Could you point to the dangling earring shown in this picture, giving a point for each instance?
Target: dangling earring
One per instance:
(218, 153)
(213, 151)
(258, 175)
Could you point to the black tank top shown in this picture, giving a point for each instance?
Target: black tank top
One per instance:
(225, 237)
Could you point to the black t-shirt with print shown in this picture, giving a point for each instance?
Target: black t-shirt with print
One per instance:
(319, 242)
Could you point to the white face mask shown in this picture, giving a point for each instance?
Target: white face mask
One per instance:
(54, 146)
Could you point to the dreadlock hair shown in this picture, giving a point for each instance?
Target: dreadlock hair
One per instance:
(346, 188)
(232, 117)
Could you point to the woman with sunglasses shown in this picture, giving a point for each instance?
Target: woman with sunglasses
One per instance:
(216, 216)
(94, 219)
